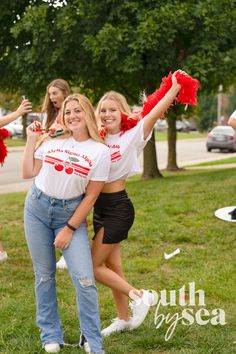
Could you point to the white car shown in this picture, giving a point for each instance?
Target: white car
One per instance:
(15, 128)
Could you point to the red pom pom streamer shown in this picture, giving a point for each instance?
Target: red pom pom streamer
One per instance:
(126, 124)
(187, 93)
(3, 149)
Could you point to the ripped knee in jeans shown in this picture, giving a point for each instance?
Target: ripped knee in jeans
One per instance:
(85, 281)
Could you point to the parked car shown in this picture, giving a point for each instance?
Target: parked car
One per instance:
(161, 125)
(222, 138)
(182, 125)
(31, 117)
(10, 128)
(15, 128)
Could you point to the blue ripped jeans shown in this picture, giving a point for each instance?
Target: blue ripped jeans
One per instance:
(44, 217)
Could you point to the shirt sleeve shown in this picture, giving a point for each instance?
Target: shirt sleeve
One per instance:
(136, 136)
(39, 152)
(233, 115)
(102, 168)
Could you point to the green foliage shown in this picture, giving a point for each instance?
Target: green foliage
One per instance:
(164, 221)
(207, 112)
(232, 102)
(127, 46)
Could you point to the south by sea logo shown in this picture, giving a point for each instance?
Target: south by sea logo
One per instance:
(193, 309)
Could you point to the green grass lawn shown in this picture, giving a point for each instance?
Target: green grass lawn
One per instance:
(229, 160)
(162, 136)
(15, 142)
(173, 212)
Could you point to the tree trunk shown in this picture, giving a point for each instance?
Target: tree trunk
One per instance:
(150, 168)
(24, 122)
(172, 135)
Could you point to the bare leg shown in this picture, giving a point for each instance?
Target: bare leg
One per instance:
(114, 263)
(101, 253)
(108, 271)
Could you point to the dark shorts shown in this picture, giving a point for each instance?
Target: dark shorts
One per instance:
(114, 212)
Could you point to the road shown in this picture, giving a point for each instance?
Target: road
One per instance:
(188, 152)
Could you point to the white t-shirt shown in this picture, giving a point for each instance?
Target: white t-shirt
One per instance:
(233, 115)
(125, 149)
(69, 165)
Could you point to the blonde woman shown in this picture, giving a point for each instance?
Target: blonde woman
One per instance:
(56, 92)
(125, 136)
(69, 172)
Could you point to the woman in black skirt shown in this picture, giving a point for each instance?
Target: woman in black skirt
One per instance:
(113, 210)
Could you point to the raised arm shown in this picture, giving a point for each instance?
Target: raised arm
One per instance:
(161, 107)
(25, 107)
(30, 165)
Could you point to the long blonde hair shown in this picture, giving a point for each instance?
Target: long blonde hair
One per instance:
(128, 119)
(48, 106)
(90, 118)
(116, 97)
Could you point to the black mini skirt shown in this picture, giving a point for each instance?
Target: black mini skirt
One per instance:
(115, 213)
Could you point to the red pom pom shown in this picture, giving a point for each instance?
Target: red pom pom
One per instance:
(4, 133)
(127, 122)
(187, 93)
(3, 149)
(151, 101)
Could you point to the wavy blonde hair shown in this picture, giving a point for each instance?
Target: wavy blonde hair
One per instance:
(48, 106)
(90, 118)
(128, 119)
(116, 97)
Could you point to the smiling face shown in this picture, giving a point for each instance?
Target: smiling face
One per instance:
(110, 116)
(74, 117)
(56, 96)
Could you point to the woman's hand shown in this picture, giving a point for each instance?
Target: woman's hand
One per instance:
(63, 238)
(174, 80)
(33, 130)
(25, 107)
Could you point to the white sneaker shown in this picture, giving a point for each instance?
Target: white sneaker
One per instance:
(117, 325)
(3, 256)
(61, 264)
(140, 308)
(87, 348)
(52, 347)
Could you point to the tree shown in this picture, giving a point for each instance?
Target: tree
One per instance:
(124, 45)
(208, 112)
(232, 101)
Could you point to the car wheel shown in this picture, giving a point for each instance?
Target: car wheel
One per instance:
(209, 149)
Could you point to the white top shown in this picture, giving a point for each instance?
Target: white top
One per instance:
(69, 165)
(233, 115)
(54, 125)
(125, 149)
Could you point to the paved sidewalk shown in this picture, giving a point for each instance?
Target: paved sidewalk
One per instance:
(15, 148)
(15, 187)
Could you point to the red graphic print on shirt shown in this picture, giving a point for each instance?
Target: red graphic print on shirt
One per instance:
(115, 156)
(68, 166)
